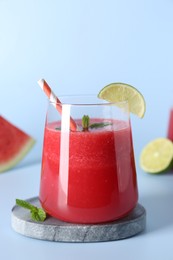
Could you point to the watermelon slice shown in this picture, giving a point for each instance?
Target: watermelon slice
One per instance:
(14, 144)
(170, 126)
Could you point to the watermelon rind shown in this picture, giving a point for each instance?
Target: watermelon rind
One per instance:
(7, 165)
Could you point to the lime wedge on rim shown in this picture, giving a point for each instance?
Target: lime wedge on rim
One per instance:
(117, 92)
(157, 156)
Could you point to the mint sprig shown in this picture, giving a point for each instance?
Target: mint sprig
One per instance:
(37, 214)
(86, 123)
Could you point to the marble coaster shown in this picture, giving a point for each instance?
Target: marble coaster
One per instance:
(56, 230)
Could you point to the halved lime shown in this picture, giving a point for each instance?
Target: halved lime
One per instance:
(157, 156)
(117, 92)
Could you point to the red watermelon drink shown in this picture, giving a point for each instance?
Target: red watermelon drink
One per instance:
(88, 175)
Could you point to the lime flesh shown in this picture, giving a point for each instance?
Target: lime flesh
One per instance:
(118, 92)
(157, 156)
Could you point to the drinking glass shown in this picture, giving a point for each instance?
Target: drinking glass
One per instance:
(88, 175)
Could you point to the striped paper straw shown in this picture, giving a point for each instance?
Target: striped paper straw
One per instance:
(55, 101)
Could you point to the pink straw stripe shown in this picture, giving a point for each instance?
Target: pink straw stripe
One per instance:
(56, 102)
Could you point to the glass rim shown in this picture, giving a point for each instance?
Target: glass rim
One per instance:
(100, 102)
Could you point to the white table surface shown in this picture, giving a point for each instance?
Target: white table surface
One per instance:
(156, 242)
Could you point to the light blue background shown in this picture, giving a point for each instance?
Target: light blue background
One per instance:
(79, 46)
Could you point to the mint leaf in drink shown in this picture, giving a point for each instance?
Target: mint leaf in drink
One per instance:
(37, 214)
(85, 122)
(99, 125)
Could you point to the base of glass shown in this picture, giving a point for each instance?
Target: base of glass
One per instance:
(58, 231)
